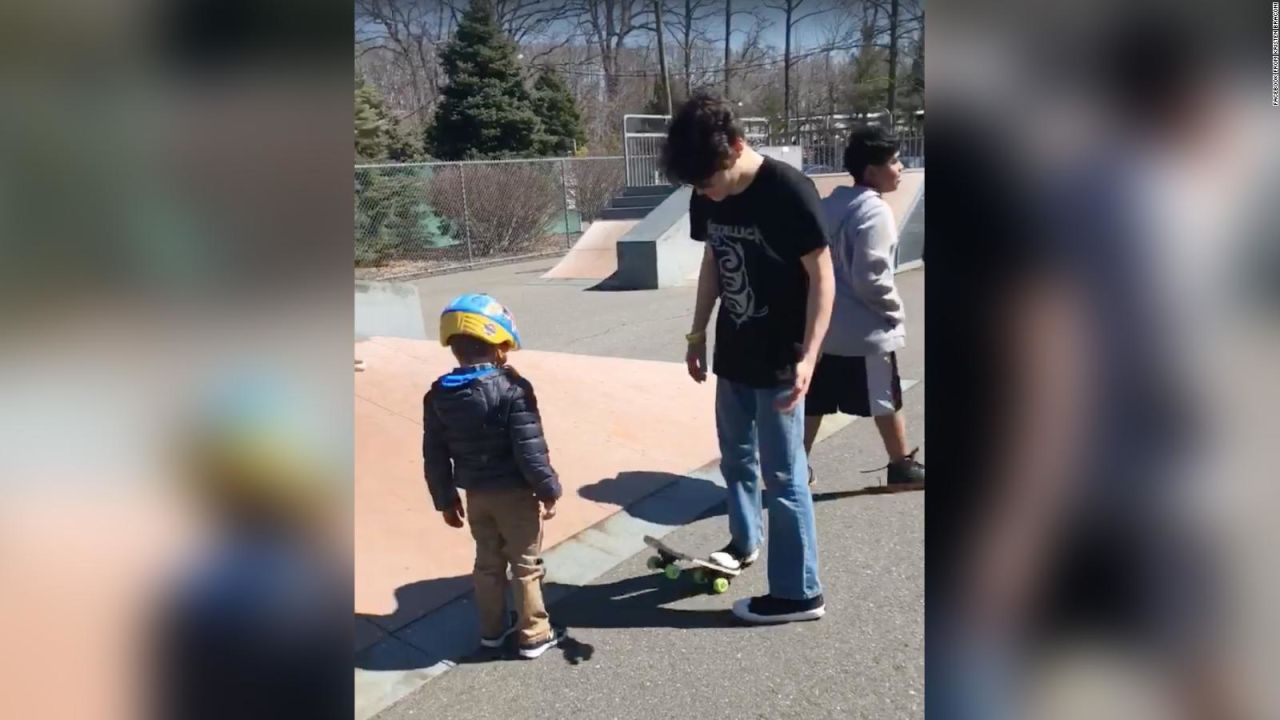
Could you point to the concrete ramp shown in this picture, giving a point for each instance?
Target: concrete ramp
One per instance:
(595, 255)
(658, 252)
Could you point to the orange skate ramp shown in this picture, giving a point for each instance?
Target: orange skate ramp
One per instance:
(595, 255)
(603, 417)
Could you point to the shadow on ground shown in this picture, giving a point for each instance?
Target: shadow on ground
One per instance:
(633, 602)
(623, 490)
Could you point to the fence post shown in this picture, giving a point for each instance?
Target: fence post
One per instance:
(466, 216)
(829, 145)
(564, 194)
(626, 154)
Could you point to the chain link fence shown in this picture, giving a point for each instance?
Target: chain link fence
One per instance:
(416, 219)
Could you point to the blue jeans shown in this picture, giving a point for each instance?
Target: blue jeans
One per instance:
(747, 421)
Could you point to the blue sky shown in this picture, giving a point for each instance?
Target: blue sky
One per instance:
(805, 36)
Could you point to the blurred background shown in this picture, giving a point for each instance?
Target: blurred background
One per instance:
(175, 368)
(1102, 361)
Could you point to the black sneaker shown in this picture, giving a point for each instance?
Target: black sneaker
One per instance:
(529, 652)
(767, 609)
(907, 471)
(729, 557)
(500, 640)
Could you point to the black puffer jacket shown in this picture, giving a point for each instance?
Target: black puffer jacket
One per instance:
(484, 434)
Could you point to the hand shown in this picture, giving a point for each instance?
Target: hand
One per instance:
(454, 516)
(548, 509)
(696, 359)
(799, 387)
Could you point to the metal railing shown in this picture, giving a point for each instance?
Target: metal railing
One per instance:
(644, 135)
(822, 149)
(822, 139)
(417, 219)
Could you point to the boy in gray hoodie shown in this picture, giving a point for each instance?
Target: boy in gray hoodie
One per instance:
(858, 370)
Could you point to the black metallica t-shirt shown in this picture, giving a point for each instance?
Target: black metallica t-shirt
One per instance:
(758, 237)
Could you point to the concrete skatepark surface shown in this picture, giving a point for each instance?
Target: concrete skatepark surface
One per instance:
(408, 560)
(605, 419)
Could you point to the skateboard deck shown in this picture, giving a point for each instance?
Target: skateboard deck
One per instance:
(704, 571)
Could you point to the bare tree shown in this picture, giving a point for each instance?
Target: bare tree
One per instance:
(752, 50)
(607, 24)
(406, 33)
(548, 24)
(686, 26)
(791, 10)
(728, 45)
(839, 33)
(914, 95)
(752, 68)
(904, 17)
(742, 67)
(529, 20)
(658, 12)
(892, 102)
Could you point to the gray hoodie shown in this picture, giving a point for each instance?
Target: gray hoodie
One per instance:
(868, 316)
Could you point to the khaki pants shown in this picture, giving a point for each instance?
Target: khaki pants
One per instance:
(507, 527)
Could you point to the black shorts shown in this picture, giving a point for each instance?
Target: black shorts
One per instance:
(855, 385)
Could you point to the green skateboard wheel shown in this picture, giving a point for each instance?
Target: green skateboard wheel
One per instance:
(720, 585)
(655, 563)
(700, 576)
(672, 572)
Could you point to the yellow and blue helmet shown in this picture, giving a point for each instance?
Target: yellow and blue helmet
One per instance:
(481, 317)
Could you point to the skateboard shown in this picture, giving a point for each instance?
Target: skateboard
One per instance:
(704, 571)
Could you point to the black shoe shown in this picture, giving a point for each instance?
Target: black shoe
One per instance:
(767, 609)
(529, 652)
(907, 471)
(729, 557)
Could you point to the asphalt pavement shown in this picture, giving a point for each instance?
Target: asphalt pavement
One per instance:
(641, 646)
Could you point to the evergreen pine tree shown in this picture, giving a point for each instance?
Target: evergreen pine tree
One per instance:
(390, 215)
(379, 137)
(368, 123)
(485, 110)
(562, 128)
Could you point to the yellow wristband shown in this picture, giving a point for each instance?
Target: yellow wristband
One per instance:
(695, 337)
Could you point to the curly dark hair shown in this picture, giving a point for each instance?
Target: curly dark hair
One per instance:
(868, 146)
(699, 140)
